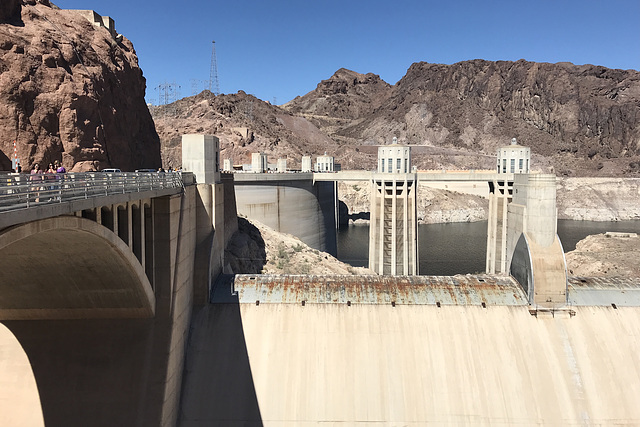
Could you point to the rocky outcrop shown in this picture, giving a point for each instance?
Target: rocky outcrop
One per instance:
(346, 95)
(70, 91)
(256, 248)
(608, 254)
(243, 123)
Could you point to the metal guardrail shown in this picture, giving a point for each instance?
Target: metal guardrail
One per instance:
(22, 191)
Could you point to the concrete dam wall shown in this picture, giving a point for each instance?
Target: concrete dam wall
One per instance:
(292, 204)
(411, 365)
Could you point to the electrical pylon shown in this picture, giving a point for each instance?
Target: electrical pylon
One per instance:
(214, 85)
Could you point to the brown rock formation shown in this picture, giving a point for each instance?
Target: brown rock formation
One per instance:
(70, 91)
(346, 95)
(256, 248)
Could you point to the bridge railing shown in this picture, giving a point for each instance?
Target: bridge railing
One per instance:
(20, 191)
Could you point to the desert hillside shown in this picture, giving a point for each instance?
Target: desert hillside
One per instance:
(71, 89)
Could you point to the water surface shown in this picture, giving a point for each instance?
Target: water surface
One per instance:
(460, 248)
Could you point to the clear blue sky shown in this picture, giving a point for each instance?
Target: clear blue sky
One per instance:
(280, 49)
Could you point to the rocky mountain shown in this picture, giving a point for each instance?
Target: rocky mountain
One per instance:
(578, 120)
(71, 90)
(243, 123)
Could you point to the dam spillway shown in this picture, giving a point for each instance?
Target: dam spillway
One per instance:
(289, 350)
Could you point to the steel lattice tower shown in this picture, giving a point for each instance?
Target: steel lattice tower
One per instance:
(214, 85)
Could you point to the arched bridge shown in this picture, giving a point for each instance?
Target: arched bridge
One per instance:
(112, 265)
(80, 245)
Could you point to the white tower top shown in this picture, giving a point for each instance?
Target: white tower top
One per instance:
(514, 158)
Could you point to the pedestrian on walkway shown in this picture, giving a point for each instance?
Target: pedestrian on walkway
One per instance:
(36, 179)
(60, 170)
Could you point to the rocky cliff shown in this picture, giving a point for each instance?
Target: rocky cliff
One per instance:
(70, 90)
(579, 120)
(599, 199)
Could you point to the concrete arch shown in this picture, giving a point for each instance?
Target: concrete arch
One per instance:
(541, 271)
(69, 268)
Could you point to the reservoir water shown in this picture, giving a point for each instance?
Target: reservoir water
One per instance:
(460, 248)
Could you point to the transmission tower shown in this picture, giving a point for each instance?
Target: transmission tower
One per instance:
(167, 93)
(194, 86)
(214, 85)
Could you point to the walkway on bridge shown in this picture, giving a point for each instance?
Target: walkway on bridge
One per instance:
(26, 198)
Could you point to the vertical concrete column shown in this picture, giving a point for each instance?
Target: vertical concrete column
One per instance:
(394, 229)
(206, 236)
(148, 241)
(114, 218)
(200, 155)
(497, 254)
(129, 208)
(383, 193)
(393, 247)
(406, 231)
(174, 247)
(491, 236)
(373, 216)
(136, 227)
(143, 256)
(538, 194)
(504, 203)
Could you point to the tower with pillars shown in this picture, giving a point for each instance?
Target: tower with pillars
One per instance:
(393, 230)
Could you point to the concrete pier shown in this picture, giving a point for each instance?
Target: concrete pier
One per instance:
(499, 198)
(534, 252)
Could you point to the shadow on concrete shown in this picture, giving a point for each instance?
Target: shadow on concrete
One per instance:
(218, 386)
(89, 372)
